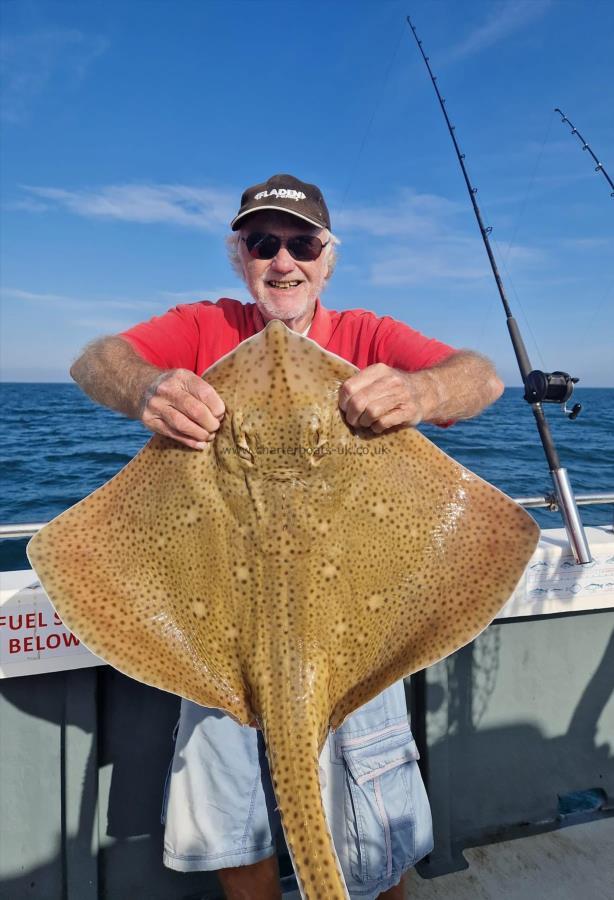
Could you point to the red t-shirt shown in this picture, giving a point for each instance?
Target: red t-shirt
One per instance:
(195, 335)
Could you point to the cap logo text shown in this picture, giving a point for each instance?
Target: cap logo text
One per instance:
(281, 193)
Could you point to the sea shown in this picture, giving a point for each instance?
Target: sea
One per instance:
(58, 446)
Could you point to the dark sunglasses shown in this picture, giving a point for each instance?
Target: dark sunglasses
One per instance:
(303, 247)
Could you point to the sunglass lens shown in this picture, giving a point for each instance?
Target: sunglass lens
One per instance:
(304, 247)
(262, 246)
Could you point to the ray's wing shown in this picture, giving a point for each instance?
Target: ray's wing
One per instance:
(423, 556)
(141, 572)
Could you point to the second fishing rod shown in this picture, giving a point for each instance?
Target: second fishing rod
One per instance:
(540, 387)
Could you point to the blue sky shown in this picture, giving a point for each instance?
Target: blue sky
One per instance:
(131, 128)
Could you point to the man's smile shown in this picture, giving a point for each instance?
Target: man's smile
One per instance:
(283, 285)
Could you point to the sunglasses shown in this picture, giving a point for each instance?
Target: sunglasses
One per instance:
(303, 247)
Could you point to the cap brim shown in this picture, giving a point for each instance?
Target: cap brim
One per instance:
(284, 209)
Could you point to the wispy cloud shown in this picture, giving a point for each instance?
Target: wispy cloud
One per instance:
(61, 300)
(210, 208)
(587, 243)
(177, 204)
(28, 204)
(450, 258)
(29, 62)
(103, 325)
(161, 300)
(438, 246)
(229, 290)
(447, 260)
(504, 19)
(410, 213)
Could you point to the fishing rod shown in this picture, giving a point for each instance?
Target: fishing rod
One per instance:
(539, 387)
(599, 166)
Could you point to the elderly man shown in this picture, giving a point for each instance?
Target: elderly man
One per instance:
(219, 805)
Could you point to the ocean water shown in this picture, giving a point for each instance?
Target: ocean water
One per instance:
(58, 447)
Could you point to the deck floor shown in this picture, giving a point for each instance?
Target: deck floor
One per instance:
(571, 863)
(568, 864)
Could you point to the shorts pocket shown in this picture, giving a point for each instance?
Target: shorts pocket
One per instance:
(380, 773)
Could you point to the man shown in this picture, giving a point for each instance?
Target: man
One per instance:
(220, 811)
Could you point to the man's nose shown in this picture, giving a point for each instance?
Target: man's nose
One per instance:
(282, 261)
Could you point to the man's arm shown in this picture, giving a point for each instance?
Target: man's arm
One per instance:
(173, 402)
(380, 397)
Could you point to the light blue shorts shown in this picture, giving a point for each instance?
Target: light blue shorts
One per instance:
(219, 808)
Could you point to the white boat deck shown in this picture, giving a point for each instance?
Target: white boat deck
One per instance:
(573, 862)
(568, 864)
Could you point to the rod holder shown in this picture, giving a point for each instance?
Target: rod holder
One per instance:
(571, 516)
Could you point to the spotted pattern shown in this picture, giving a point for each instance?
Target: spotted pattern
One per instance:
(287, 573)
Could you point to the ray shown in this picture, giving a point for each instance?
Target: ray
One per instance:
(287, 573)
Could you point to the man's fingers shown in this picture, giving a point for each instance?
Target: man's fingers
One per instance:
(367, 404)
(198, 412)
(378, 398)
(207, 395)
(181, 438)
(366, 410)
(182, 387)
(394, 418)
(182, 406)
(199, 425)
(169, 420)
(360, 381)
(182, 424)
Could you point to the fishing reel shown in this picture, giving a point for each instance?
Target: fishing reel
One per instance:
(551, 387)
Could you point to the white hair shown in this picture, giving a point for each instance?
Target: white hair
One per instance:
(329, 251)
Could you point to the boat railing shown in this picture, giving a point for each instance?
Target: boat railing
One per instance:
(548, 501)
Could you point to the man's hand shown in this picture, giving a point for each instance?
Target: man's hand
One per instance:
(180, 405)
(173, 402)
(380, 397)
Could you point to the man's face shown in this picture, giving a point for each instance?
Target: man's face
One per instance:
(283, 288)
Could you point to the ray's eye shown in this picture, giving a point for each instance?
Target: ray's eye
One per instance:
(318, 443)
(244, 438)
(245, 453)
(245, 446)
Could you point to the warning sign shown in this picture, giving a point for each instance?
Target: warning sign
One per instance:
(32, 637)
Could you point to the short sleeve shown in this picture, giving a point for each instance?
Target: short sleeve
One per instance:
(170, 341)
(401, 347)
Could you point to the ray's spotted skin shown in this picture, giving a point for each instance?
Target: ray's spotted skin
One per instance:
(290, 571)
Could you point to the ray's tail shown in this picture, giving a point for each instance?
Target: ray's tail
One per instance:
(292, 747)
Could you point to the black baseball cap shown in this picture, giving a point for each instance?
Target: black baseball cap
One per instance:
(286, 194)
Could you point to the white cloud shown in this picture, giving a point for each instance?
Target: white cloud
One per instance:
(456, 258)
(448, 260)
(107, 326)
(236, 292)
(504, 19)
(61, 300)
(177, 204)
(29, 62)
(439, 248)
(588, 243)
(211, 209)
(159, 302)
(526, 256)
(28, 204)
(410, 214)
